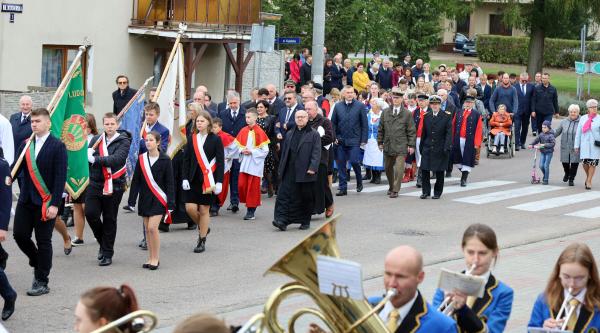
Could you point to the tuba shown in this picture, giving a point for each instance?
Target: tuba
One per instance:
(142, 321)
(338, 313)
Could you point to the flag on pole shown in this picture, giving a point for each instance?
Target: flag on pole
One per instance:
(69, 125)
(171, 99)
(131, 121)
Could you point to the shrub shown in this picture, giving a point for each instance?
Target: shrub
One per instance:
(564, 100)
(561, 53)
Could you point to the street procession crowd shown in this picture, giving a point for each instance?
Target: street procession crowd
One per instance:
(403, 119)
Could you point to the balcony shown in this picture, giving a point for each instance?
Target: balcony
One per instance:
(210, 16)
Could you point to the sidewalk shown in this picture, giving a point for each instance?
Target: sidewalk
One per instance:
(525, 268)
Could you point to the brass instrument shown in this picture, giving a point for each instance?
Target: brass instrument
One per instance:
(563, 310)
(300, 263)
(447, 306)
(138, 320)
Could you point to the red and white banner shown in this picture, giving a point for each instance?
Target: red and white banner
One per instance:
(160, 195)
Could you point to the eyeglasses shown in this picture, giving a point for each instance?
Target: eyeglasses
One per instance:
(287, 99)
(122, 82)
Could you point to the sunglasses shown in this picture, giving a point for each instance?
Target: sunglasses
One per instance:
(122, 82)
(287, 99)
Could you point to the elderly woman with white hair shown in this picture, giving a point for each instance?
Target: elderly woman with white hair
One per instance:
(373, 158)
(568, 128)
(587, 141)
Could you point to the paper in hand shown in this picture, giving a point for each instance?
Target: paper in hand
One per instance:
(467, 284)
(338, 277)
(545, 330)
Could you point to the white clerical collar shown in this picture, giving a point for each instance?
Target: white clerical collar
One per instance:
(402, 311)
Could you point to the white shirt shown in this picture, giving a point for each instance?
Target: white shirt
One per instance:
(403, 310)
(6, 140)
(254, 163)
(153, 159)
(580, 297)
(235, 113)
(111, 139)
(24, 116)
(39, 142)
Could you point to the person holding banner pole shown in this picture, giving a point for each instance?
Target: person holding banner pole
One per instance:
(153, 176)
(202, 175)
(107, 184)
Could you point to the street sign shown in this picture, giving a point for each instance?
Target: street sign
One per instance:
(262, 39)
(288, 40)
(580, 67)
(12, 8)
(595, 67)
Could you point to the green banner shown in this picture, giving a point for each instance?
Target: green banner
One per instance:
(69, 125)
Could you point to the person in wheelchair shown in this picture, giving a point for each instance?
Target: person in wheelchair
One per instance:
(500, 125)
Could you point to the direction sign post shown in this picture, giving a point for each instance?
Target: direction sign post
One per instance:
(288, 40)
(580, 67)
(595, 67)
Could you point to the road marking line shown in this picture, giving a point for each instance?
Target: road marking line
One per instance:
(592, 213)
(537, 206)
(469, 187)
(372, 189)
(507, 194)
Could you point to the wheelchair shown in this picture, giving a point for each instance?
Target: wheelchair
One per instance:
(509, 147)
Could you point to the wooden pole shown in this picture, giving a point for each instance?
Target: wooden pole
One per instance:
(53, 102)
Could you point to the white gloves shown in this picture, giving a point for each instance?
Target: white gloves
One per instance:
(321, 131)
(185, 185)
(218, 188)
(91, 157)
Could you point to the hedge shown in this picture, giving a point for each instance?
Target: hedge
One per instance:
(561, 53)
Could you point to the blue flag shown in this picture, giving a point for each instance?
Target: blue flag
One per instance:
(131, 121)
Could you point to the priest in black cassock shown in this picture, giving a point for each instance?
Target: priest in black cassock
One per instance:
(298, 167)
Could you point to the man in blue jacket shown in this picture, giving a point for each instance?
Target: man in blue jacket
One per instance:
(521, 118)
(351, 129)
(505, 94)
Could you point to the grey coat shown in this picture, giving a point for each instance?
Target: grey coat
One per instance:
(568, 127)
(396, 132)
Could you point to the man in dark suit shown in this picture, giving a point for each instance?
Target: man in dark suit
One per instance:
(21, 127)
(306, 71)
(123, 94)
(44, 175)
(234, 119)
(6, 291)
(521, 118)
(275, 103)
(223, 105)
(298, 167)
(286, 120)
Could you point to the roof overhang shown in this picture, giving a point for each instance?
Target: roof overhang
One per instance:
(191, 35)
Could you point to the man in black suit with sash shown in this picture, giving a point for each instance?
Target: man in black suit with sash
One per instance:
(44, 169)
(21, 127)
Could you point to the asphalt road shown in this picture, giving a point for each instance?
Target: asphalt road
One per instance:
(228, 278)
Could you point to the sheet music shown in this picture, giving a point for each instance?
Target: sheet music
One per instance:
(339, 277)
(467, 284)
(545, 330)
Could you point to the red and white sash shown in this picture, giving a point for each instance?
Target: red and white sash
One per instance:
(160, 195)
(106, 171)
(207, 168)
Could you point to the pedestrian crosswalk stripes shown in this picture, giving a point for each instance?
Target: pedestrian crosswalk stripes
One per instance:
(561, 201)
(469, 187)
(508, 194)
(591, 213)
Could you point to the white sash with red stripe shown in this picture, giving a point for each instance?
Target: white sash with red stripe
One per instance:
(160, 195)
(106, 171)
(207, 168)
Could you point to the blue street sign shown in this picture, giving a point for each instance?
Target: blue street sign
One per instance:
(288, 40)
(580, 67)
(595, 67)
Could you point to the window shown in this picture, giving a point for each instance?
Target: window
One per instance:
(463, 25)
(160, 61)
(497, 27)
(56, 60)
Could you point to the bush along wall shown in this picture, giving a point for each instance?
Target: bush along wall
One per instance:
(560, 53)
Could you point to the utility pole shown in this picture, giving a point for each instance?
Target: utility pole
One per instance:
(318, 41)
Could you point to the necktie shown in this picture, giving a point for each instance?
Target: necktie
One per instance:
(23, 119)
(393, 319)
(288, 114)
(234, 115)
(573, 319)
(395, 111)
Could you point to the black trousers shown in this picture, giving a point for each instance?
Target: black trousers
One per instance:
(28, 220)
(439, 182)
(521, 123)
(105, 229)
(571, 170)
(295, 202)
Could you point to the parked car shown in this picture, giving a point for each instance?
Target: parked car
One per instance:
(459, 42)
(470, 47)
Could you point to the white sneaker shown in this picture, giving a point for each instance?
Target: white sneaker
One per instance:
(501, 149)
(494, 149)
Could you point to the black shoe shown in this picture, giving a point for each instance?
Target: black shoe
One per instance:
(129, 209)
(359, 187)
(523, 147)
(143, 245)
(153, 267)
(164, 227)
(68, 250)
(534, 133)
(368, 175)
(571, 183)
(100, 254)
(377, 178)
(436, 196)
(565, 178)
(145, 265)
(279, 225)
(77, 242)
(9, 308)
(424, 196)
(249, 216)
(230, 207)
(192, 226)
(38, 289)
(105, 262)
(334, 178)
(463, 178)
(341, 193)
(304, 226)
(3, 260)
(235, 208)
(517, 148)
(201, 246)
(448, 174)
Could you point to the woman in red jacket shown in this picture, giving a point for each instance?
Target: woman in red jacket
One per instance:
(500, 123)
(295, 70)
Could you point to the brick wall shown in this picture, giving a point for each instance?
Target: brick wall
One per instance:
(9, 101)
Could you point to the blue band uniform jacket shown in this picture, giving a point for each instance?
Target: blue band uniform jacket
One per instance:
(491, 311)
(587, 321)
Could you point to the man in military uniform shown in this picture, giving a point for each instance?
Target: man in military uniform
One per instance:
(435, 146)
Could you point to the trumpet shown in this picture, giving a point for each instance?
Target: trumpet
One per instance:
(138, 321)
(563, 310)
(447, 307)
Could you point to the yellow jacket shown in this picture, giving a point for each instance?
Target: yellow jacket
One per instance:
(360, 81)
